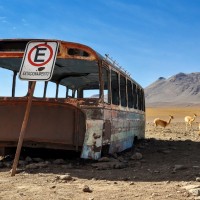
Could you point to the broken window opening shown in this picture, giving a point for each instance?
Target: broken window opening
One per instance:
(106, 85)
(139, 98)
(115, 88)
(123, 91)
(13, 46)
(51, 90)
(21, 88)
(77, 52)
(6, 77)
(91, 93)
(134, 96)
(39, 92)
(130, 94)
(62, 91)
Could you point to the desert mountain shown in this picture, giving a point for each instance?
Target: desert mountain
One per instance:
(181, 89)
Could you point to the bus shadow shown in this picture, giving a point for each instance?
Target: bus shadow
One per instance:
(162, 160)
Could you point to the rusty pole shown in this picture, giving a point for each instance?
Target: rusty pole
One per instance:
(23, 128)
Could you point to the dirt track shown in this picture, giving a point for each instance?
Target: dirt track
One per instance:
(170, 162)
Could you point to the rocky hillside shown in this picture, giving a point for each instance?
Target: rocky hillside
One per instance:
(180, 89)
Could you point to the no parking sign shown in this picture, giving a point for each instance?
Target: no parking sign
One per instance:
(39, 60)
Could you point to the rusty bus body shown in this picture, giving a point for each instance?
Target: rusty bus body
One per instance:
(110, 120)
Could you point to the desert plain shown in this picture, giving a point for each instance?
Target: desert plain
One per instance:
(165, 165)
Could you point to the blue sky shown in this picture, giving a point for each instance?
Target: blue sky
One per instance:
(149, 38)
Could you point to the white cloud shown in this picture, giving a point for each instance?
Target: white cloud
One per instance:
(3, 20)
(24, 22)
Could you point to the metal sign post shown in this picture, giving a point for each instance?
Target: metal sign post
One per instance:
(37, 64)
(23, 128)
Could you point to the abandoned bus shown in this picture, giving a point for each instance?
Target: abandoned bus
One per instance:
(90, 104)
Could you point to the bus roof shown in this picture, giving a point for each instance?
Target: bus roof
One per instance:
(73, 59)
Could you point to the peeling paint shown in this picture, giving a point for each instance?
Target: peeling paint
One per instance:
(93, 140)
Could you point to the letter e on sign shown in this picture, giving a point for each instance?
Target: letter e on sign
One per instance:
(39, 60)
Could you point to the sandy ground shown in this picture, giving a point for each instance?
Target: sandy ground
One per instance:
(170, 163)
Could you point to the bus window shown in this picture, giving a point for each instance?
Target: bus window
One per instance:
(142, 100)
(62, 91)
(115, 88)
(139, 98)
(130, 94)
(39, 89)
(83, 82)
(134, 96)
(6, 77)
(106, 85)
(123, 91)
(69, 94)
(51, 90)
(91, 93)
(21, 88)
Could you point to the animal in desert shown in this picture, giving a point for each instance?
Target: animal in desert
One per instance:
(189, 120)
(162, 123)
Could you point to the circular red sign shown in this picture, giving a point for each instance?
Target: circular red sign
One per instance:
(43, 63)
